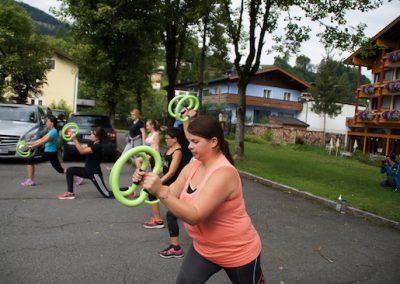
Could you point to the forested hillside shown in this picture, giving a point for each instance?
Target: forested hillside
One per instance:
(45, 24)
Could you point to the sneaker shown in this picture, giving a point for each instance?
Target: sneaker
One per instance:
(78, 180)
(133, 195)
(66, 195)
(154, 224)
(28, 182)
(171, 252)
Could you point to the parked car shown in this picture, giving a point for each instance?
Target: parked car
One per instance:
(86, 123)
(61, 116)
(20, 122)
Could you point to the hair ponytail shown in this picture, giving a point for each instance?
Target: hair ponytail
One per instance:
(224, 147)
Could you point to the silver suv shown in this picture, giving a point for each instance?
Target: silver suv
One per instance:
(19, 122)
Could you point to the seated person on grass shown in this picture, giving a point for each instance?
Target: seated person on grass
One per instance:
(392, 169)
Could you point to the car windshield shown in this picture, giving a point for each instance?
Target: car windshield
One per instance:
(91, 121)
(15, 113)
(57, 112)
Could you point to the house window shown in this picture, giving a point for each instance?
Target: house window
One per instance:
(287, 96)
(206, 92)
(386, 102)
(376, 77)
(388, 75)
(51, 63)
(396, 102)
(267, 93)
(397, 74)
(285, 114)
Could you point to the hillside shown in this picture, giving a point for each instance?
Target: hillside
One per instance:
(45, 24)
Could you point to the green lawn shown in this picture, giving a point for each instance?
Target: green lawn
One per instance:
(311, 169)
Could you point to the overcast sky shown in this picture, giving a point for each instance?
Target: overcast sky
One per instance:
(376, 20)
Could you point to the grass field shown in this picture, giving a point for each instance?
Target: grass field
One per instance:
(310, 168)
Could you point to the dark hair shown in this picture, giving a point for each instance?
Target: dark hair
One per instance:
(99, 132)
(208, 127)
(53, 119)
(173, 132)
(392, 157)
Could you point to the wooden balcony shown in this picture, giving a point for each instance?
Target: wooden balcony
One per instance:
(253, 101)
(377, 121)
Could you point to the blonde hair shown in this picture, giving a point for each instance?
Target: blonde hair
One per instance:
(136, 112)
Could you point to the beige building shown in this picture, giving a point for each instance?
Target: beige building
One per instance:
(62, 82)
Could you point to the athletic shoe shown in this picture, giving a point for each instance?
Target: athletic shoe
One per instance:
(66, 195)
(78, 180)
(171, 252)
(28, 182)
(154, 224)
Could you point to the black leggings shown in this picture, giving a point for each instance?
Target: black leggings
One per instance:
(97, 180)
(196, 269)
(173, 226)
(48, 156)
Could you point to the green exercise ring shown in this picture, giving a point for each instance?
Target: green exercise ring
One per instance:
(20, 149)
(180, 100)
(69, 125)
(121, 196)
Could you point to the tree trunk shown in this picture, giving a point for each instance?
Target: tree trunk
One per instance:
(240, 121)
(324, 134)
(203, 60)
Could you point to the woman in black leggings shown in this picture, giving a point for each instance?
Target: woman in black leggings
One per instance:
(92, 169)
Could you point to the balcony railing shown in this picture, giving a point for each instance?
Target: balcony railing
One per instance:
(253, 101)
(392, 58)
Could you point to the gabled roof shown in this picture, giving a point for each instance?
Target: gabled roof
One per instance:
(390, 32)
(265, 71)
(288, 121)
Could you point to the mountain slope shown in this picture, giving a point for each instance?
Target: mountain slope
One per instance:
(45, 24)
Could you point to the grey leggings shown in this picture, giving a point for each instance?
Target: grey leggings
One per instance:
(196, 269)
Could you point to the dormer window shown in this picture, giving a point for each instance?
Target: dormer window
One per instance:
(287, 96)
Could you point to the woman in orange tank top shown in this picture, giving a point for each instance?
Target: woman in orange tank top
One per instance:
(208, 197)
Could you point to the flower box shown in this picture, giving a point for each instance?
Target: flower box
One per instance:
(368, 89)
(393, 86)
(391, 115)
(366, 115)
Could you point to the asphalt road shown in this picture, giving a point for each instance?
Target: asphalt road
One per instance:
(96, 240)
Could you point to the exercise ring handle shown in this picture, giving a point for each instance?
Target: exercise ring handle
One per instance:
(121, 196)
(20, 149)
(180, 100)
(70, 125)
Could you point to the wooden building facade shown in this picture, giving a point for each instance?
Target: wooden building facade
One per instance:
(377, 128)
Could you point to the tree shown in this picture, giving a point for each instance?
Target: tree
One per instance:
(262, 18)
(327, 91)
(23, 54)
(117, 43)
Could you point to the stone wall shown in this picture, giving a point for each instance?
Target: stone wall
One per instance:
(281, 135)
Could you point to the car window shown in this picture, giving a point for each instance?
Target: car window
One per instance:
(91, 121)
(15, 113)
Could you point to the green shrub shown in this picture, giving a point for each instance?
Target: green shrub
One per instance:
(254, 139)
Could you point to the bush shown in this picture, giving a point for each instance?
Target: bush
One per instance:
(254, 139)
(268, 135)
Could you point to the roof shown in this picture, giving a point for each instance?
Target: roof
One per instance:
(65, 55)
(390, 32)
(302, 84)
(288, 121)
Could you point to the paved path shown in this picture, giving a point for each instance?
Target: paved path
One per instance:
(95, 240)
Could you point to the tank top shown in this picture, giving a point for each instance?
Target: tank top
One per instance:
(167, 164)
(228, 237)
(149, 140)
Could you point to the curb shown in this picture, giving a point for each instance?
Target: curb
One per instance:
(376, 219)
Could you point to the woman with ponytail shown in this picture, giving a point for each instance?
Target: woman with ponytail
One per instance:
(208, 197)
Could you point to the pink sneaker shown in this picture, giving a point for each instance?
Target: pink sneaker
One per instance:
(66, 195)
(78, 180)
(28, 182)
